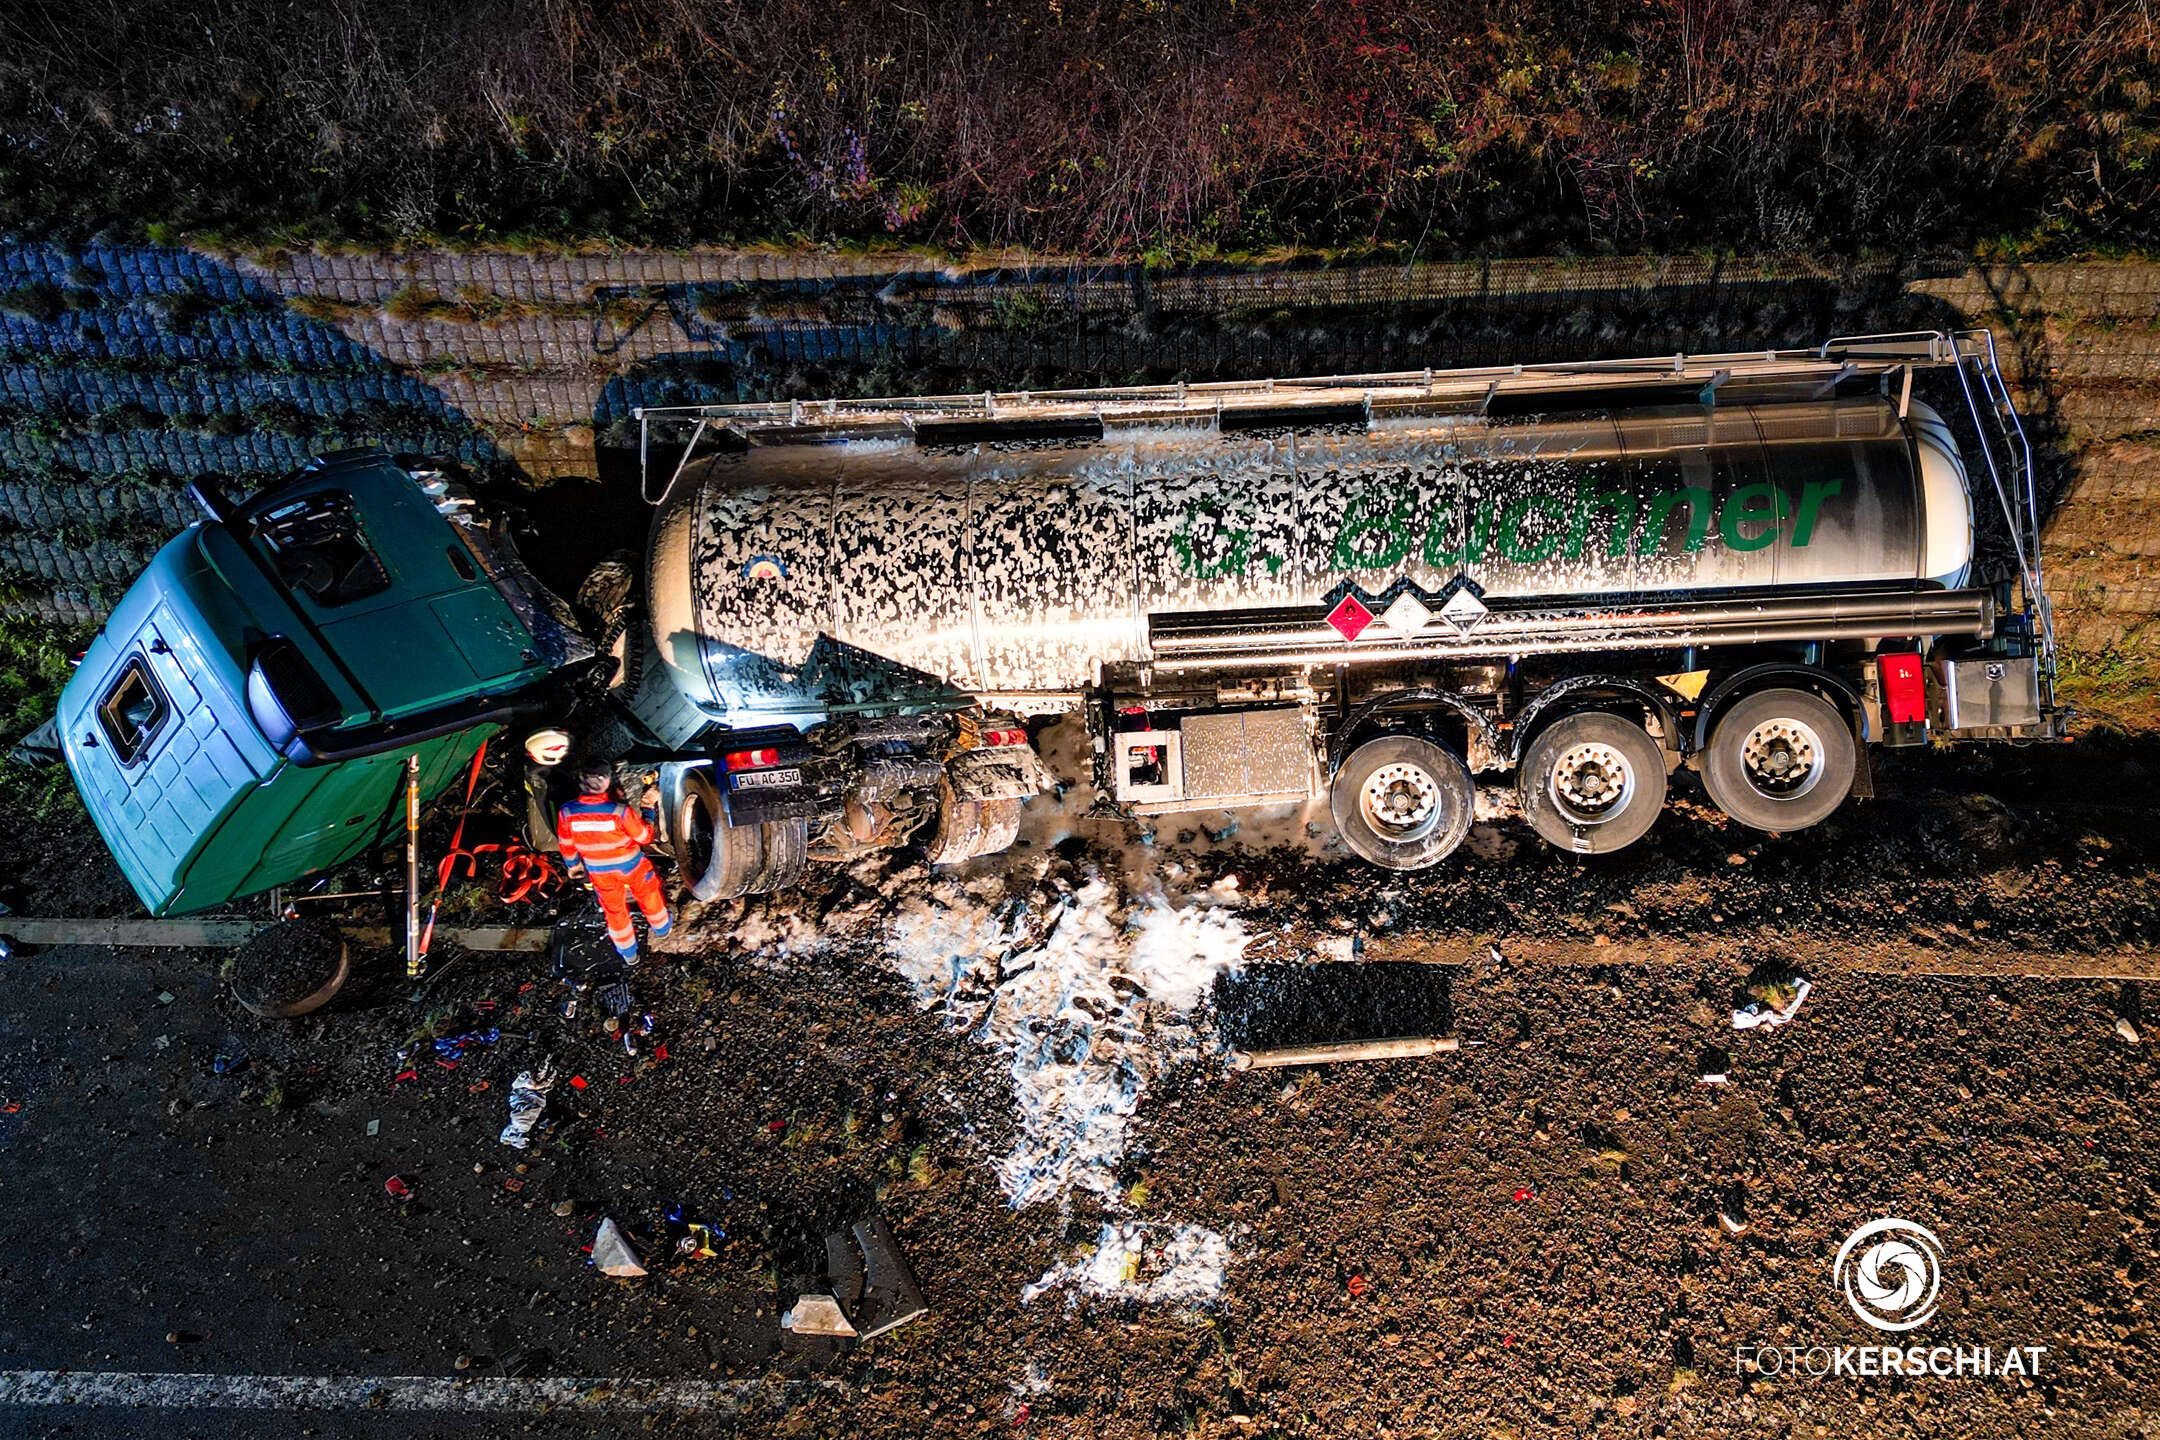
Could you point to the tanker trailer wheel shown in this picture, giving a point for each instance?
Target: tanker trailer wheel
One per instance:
(1780, 760)
(1402, 802)
(1592, 783)
(716, 860)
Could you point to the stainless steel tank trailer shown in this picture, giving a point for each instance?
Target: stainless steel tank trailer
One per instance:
(1373, 587)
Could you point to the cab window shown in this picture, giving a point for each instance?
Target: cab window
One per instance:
(319, 549)
(133, 711)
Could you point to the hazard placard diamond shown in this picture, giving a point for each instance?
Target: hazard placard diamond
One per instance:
(1463, 610)
(1407, 616)
(1350, 617)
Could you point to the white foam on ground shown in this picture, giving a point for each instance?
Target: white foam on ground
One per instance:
(1160, 1264)
(1087, 999)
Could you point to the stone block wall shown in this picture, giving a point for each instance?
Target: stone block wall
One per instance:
(126, 370)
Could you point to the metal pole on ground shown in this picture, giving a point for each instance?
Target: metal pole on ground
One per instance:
(1286, 1055)
(415, 964)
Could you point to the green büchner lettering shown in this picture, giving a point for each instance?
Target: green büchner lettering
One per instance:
(1697, 500)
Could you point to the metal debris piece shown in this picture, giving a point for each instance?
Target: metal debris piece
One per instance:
(1408, 1047)
(867, 1281)
(612, 1252)
(817, 1315)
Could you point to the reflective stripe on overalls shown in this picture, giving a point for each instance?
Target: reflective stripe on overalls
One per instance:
(616, 889)
(604, 839)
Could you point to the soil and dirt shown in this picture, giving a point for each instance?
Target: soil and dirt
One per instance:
(289, 969)
(1519, 1238)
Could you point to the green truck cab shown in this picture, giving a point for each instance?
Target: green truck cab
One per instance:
(244, 716)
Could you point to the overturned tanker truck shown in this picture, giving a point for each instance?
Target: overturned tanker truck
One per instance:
(1373, 588)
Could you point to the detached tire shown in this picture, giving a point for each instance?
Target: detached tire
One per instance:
(1780, 760)
(716, 860)
(961, 828)
(1592, 783)
(1401, 802)
(291, 969)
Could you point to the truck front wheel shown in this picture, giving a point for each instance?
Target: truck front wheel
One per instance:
(1592, 783)
(1780, 760)
(716, 860)
(1402, 802)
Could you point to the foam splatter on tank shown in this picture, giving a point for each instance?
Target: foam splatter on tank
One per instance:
(1022, 566)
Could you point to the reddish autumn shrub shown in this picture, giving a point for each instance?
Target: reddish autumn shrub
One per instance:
(1096, 126)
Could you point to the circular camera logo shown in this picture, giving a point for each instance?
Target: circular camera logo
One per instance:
(1891, 1273)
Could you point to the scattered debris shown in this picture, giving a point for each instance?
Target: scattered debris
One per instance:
(1713, 1067)
(1773, 1003)
(611, 1251)
(528, 1102)
(1164, 1264)
(398, 1188)
(694, 1239)
(1406, 1048)
(867, 1282)
(2127, 1031)
(1730, 1223)
(452, 1047)
(817, 1315)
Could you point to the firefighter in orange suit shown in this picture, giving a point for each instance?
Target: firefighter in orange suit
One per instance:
(603, 840)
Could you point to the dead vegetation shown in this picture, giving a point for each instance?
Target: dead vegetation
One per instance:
(1165, 129)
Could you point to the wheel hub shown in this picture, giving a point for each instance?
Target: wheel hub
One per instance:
(1401, 800)
(1782, 758)
(1592, 779)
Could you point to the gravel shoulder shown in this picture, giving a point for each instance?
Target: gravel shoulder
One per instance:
(1521, 1238)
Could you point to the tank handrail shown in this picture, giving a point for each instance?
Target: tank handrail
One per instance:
(1864, 355)
(1473, 389)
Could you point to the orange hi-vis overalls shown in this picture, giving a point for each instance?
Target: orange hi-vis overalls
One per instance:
(603, 839)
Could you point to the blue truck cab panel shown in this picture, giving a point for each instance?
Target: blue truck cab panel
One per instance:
(243, 717)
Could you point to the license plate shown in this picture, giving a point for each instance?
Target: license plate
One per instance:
(765, 779)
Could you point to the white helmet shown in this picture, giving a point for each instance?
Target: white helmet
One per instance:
(547, 747)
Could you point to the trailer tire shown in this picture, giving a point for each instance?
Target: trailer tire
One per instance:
(716, 860)
(1425, 790)
(1592, 783)
(1780, 760)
